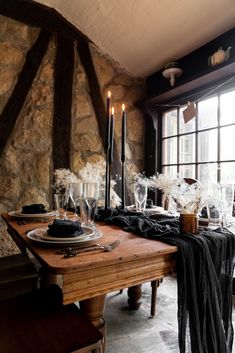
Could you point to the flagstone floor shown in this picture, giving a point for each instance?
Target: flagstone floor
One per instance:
(136, 331)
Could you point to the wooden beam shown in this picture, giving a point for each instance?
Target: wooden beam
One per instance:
(38, 15)
(63, 86)
(99, 108)
(14, 105)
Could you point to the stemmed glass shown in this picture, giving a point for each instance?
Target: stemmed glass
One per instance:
(61, 199)
(227, 196)
(220, 204)
(75, 193)
(140, 193)
(88, 203)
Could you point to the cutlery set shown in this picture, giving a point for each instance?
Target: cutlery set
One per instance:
(73, 251)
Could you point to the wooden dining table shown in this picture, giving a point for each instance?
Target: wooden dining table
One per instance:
(89, 276)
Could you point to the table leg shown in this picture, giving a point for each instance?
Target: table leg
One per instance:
(134, 293)
(93, 308)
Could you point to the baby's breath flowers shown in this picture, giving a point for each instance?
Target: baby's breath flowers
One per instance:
(63, 177)
(93, 173)
(187, 198)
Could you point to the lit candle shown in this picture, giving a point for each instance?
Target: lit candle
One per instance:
(123, 155)
(111, 136)
(107, 174)
(108, 121)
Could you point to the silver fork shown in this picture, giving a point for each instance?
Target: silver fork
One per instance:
(70, 252)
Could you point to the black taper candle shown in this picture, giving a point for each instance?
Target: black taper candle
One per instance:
(108, 121)
(107, 175)
(111, 151)
(123, 155)
(111, 136)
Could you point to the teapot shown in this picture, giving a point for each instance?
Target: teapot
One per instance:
(219, 56)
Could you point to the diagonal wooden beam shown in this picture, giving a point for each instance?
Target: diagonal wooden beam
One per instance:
(35, 14)
(99, 107)
(14, 105)
(63, 86)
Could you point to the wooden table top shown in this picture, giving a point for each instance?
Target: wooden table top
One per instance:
(134, 261)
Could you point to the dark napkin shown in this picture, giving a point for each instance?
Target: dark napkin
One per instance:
(34, 209)
(205, 265)
(65, 228)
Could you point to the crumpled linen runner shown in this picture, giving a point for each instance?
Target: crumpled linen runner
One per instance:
(205, 265)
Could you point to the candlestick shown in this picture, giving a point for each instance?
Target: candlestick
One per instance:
(107, 175)
(123, 154)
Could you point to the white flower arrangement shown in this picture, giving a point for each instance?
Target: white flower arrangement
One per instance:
(63, 177)
(187, 198)
(141, 178)
(95, 172)
(92, 172)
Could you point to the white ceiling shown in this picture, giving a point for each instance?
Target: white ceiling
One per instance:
(144, 35)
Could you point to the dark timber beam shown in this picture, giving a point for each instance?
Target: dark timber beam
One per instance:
(14, 105)
(38, 15)
(99, 107)
(63, 86)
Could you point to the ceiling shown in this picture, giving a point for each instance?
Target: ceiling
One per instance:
(144, 35)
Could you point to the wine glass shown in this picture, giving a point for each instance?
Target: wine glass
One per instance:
(140, 194)
(227, 196)
(88, 203)
(75, 193)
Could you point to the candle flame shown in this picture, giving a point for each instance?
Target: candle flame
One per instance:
(109, 94)
(112, 111)
(123, 107)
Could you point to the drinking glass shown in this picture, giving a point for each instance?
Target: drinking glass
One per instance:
(88, 203)
(140, 194)
(61, 204)
(214, 206)
(75, 193)
(227, 197)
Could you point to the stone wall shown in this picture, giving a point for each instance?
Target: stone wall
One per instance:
(26, 164)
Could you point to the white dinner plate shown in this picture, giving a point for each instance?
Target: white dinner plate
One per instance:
(19, 214)
(78, 242)
(42, 233)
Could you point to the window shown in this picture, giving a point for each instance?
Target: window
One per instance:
(204, 147)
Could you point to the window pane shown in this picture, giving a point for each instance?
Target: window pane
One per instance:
(170, 170)
(187, 149)
(207, 113)
(169, 123)
(187, 171)
(169, 151)
(227, 173)
(207, 146)
(227, 108)
(227, 145)
(186, 127)
(207, 173)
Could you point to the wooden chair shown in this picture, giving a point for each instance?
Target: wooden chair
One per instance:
(18, 275)
(38, 322)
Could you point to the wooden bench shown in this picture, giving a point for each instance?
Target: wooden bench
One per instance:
(38, 322)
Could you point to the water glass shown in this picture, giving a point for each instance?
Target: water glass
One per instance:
(75, 194)
(61, 204)
(140, 194)
(88, 203)
(227, 197)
